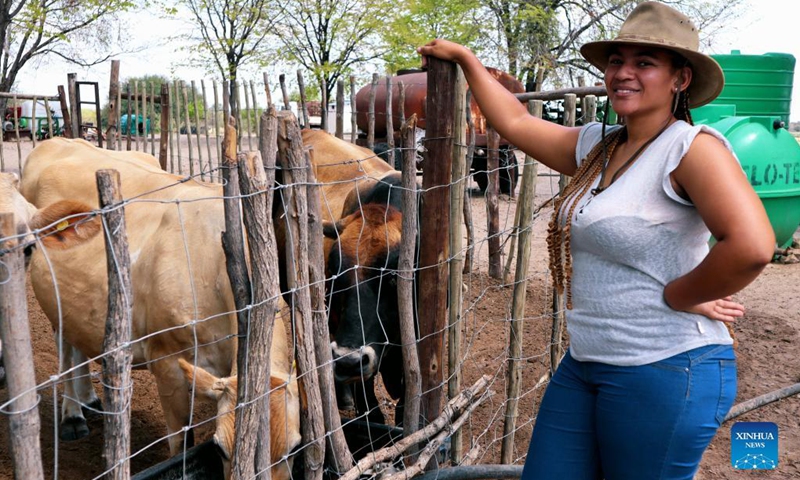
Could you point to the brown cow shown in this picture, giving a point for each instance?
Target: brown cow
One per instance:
(362, 212)
(183, 304)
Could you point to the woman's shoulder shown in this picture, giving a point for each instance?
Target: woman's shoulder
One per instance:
(590, 135)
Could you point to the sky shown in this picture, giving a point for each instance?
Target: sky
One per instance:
(765, 26)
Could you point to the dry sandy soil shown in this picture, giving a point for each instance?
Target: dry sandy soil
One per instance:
(767, 355)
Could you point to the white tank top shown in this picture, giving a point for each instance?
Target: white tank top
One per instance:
(627, 244)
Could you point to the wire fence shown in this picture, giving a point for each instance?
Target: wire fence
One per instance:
(181, 304)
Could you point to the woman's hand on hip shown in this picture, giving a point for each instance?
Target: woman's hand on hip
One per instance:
(723, 310)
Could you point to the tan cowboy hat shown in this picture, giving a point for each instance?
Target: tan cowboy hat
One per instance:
(658, 25)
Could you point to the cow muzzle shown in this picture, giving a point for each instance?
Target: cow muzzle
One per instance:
(353, 364)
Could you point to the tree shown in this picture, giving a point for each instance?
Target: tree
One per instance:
(541, 37)
(423, 20)
(64, 28)
(330, 37)
(232, 33)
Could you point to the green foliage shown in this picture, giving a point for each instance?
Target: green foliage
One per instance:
(74, 31)
(423, 20)
(331, 38)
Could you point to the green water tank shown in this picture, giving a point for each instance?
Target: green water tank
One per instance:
(770, 157)
(759, 85)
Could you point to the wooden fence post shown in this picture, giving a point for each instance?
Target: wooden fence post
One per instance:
(389, 124)
(233, 240)
(197, 131)
(252, 413)
(338, 453)
(353, 123)
(468, 225)
(113, 108)
(405, 282)
(163, 142)
(290, 150)
(525, 222)
(435, 232)
(323, 94)
(74, 108)
(371, 114)
(282, 81)
(492, 203)
(301, 85)
(267, 90)
(455, 325)
(340, 108)
(22, 408)
(117, 387)
(62, 99)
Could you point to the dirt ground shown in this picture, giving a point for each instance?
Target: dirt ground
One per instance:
(767, 357)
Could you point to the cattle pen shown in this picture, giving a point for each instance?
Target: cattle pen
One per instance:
(488, 334)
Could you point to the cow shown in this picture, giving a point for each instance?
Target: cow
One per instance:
(284, 402)
(56, 233)
(360, 198)
(182, 300)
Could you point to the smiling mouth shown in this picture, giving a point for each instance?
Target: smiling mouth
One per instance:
(625, 91)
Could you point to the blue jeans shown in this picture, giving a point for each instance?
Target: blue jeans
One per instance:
(649, 422)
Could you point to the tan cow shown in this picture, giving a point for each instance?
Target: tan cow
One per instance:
(182, 295)
(56, 234)
(284, 402)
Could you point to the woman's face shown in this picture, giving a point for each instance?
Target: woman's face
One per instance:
(641, 80)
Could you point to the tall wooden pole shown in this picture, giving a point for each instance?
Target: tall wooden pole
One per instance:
(455, 325)
(435, 231)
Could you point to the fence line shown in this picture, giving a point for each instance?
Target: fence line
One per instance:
(468, 323)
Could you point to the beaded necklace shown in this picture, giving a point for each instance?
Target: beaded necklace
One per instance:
(607, 158)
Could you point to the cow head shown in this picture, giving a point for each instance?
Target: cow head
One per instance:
(362, 289)
(284, 416)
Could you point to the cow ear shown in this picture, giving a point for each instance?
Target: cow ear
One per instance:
(206, 385)
(65, 224)
(331, 229)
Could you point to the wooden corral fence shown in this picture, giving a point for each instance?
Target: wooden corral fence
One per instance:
(465, 432)
(431, 421)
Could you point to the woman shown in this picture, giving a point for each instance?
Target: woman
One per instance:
(650, 372)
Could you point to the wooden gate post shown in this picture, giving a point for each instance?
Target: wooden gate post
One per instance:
(435, 232)
(22, 410)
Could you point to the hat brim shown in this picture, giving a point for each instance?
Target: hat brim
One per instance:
(707, 76)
